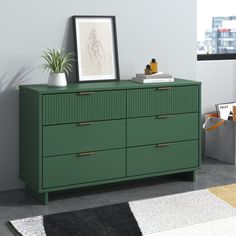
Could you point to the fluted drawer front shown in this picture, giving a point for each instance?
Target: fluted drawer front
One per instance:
(84, 106)
(167, 100)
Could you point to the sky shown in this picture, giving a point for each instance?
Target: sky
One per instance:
(206, 9)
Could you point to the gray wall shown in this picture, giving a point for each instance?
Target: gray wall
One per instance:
(219, 82)
(155, 28)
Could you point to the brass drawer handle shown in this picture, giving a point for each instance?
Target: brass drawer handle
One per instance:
(85, 123)
(86, 93)
(162, 145)
(84, 154)
(164, 88)
(164, 116)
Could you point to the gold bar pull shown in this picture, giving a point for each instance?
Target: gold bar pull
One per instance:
(162, 145)
(86, 93)
(164, 116)
(85, 123)
(164, 88)
(85, 154)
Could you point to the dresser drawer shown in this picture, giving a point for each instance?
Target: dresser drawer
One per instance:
(83, 136)
(163, 100)
(162, 128)
(75, 169)
(151, 159)
(83, 106)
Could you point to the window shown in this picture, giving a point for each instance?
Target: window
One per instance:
(216, 29)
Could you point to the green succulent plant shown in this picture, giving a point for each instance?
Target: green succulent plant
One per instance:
(57, 61)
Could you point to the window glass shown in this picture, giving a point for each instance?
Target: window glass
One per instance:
(216, 28)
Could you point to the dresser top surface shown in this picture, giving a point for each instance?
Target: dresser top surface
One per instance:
(102, 86)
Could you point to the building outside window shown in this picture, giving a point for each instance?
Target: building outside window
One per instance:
(216, 29)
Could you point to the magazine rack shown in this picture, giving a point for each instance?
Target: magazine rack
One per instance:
(220, 142)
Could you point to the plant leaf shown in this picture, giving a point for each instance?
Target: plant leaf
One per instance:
(57, 61)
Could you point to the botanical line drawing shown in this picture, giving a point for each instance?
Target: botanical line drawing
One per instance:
(95, 47)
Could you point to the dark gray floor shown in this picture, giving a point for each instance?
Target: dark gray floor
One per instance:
(18, 204)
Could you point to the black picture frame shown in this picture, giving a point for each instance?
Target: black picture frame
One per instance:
(96, 49)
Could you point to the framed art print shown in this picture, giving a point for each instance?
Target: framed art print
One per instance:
(96, 48)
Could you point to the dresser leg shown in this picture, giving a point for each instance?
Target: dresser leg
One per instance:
(189, 176)
(42, 197)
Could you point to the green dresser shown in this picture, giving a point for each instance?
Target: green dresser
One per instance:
(96, 133)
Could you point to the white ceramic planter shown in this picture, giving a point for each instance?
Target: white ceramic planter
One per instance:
(57, 80)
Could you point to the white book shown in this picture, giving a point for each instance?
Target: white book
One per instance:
(146, 81)
(158, 75)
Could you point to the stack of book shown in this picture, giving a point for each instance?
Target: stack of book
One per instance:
(153, 78)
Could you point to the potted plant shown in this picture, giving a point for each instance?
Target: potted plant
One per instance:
(59, 64)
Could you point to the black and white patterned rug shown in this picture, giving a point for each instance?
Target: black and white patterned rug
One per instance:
(193, 213)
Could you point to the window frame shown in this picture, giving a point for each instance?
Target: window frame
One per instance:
(223, 56)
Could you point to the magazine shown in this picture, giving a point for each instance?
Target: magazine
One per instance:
(225, 110)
